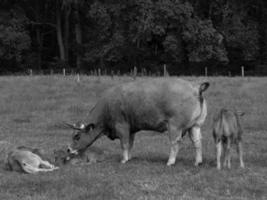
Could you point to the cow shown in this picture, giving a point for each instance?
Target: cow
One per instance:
(173, 105)
(90, 156)
(227, 130)
(28, 160)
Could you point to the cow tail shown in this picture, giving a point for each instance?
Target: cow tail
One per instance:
(202, 87)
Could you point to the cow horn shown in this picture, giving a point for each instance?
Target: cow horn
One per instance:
(72, 126)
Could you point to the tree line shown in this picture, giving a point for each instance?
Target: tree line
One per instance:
(121, 34)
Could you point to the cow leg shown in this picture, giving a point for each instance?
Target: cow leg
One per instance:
(125, 151)
(240, 154)
(124, 133)
(175, 139)
(131, 142)
(195, 135)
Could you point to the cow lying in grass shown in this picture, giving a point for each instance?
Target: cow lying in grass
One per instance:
(91, 155)
(226, 131)
(28, 160)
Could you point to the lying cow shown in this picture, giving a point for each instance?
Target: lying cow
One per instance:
(28, 160)
(172, 105)
(226, 131)
(90, 156)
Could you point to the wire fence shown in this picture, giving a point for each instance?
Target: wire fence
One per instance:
(135, 72)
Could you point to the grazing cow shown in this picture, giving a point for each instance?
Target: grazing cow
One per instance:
(28, 160)
(91, 155)
(226, 131)
(172, 105)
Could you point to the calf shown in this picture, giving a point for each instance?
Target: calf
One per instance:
(226, 131)
(28, 160)
(91, 155)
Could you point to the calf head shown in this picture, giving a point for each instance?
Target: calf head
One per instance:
(61, 157)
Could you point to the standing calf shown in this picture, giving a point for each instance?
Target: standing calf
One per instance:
(226, 131)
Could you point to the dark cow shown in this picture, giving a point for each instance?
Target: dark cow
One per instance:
(226, 131)
(172, 105)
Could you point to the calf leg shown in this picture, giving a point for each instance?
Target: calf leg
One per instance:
(224, 145)
(219, 154)
(175, 136)
(240, 154)
(195, 135)
(33, 170)
(228, 154)
(46, 164)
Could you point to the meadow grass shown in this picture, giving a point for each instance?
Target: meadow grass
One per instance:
(32, 109)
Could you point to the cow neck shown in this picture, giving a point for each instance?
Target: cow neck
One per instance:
(96, 114)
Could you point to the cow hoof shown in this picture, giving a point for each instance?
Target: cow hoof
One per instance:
(170, 163)
(198, 164)
(123, 161)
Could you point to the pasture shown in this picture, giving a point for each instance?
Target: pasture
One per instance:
(32, 109)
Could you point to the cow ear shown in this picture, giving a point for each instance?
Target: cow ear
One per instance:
(240, 113)
(89, 128)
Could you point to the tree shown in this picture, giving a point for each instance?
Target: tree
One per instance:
(14, 38)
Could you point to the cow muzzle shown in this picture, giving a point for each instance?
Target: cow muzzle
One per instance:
(72, 151)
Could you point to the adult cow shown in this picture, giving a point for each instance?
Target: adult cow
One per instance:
(172, 105)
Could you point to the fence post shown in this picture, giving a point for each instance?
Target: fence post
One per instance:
(112, 74)
(78, 77)
(165, 72)
(134, 72)
(51, 71)
(242, 71)
(64, 72)
(30, 72)
(206, 71)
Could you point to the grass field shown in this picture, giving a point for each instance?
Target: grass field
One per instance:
(31, 109)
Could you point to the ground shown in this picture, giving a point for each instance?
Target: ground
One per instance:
(32, 110)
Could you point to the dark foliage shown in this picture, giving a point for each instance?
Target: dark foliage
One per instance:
(118, 35)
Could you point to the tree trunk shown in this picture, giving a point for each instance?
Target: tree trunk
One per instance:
(66, 31)
(39, 48)
(39, 36)
(78, 33)
(59, 35)
(263, 33)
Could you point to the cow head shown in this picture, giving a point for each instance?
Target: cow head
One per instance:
(83, 137)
